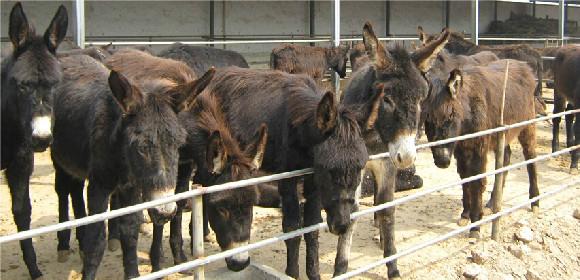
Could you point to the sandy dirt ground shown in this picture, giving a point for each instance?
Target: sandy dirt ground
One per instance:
(554, 253)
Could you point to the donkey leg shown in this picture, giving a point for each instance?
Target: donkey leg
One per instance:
(18, 176)
(62, 186)
(79, 209)
(312, 208)
(576, 153)
(97, 200)
(477, 165)
(569, 119)
(528, 141)
(386, 192)
(129, 231)
(290, 222)
(156, 247)
(175, 237)
(113, 226)
(559, 106)
(507, 154)
(466, 200)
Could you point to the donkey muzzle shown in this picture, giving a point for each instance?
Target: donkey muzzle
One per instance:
(240, 261)
(164, 212)
(403, 151)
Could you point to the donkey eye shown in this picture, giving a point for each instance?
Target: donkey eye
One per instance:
(223, 212)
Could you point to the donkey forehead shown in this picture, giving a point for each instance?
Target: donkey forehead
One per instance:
(343, 149)
(36, 65)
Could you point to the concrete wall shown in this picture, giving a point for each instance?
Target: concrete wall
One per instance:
(189, 20)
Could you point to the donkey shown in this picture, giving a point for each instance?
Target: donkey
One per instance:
(469, 100)
(306, 128)
(201, 58)
(567, 89)
(398, 76)
(121, 137)
(99, 53)
(219, 158)
(358, 56)
(459, 45)
(29, 76)
(312, 61)
(207, 134)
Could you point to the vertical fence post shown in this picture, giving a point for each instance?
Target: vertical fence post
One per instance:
(197, 232)
(80, 23)
(561, 22)
(475, 21)
(497, 194)
(335, 4)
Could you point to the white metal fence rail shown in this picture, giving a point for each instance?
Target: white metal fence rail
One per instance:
(242, 183)
(356, 215)
(232, 185)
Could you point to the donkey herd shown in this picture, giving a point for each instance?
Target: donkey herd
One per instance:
(139, 127)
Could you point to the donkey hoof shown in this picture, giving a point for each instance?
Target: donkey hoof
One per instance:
(574, 171)
(39, 278)
(463, 222)
(487, 211)
(394, 275)
(63, 255)
(536, 210)
(114, 245)
(474, 234)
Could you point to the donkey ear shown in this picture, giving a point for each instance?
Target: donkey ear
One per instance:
(184, 95)
(373, 108)
(426, 55)
(19, 30)
(257, 149)
(106, 47)
(455, 82)
(422, 35)
(215, 156)
(127, 96)
(56, 31)
(326, 113)
(377, 52)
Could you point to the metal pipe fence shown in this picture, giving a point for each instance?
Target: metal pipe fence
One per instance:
(243, 183)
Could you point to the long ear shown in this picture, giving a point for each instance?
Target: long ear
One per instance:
(426, 55)
(216, 155)
(455, 82)
(106, 47)
(127, 96)
(377, 52)
(373, 107)
(422, 35)
(257, 149)
(326, 113)
(184, 95)
(19, 30)
(56, 31)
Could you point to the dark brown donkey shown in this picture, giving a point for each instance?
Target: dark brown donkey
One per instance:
(123, 138)
(306, 128)
(29, 76)
(459, 45)
(201, 58)
(210, 148)
(567, 89)
(312, 61)
(398, 76)
(469, 100)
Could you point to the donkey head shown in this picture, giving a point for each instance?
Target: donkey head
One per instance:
(230, 213)
(445, 115)
(35, 71)
(400, 76)
(150, 135)
(336, 58)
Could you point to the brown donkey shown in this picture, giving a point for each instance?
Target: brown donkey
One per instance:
(468, 101)
(312, 61)
(567, 89)
(399, 77)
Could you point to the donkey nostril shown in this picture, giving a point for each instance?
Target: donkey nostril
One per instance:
(399, 158)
